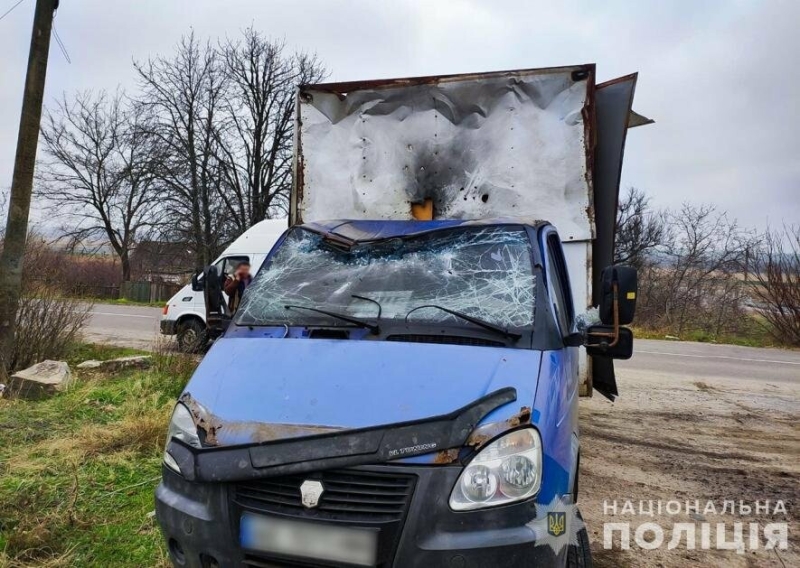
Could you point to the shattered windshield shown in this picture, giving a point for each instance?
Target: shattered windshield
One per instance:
(483, 272)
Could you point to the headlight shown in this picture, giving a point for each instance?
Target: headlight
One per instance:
(507, 470)
(182, 427)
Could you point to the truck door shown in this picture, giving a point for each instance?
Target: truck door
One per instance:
(561, 297)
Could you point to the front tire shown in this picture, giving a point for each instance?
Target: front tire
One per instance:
(192, 336)
(580, 556)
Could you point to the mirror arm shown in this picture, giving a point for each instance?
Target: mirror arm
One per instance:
(615, 334)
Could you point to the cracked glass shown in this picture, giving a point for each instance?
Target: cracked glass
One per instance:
(483, 272)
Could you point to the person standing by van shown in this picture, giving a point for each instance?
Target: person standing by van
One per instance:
(235, 285)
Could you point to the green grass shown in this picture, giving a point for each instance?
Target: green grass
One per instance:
(753, 333)
(85, 351)
(77, 471)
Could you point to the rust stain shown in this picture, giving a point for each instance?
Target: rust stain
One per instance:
(219, 433)
(203, 419)
(446, 456)
(483, 434)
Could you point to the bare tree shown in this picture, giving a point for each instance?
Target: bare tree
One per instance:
(776, 291)
(98, 172)
(640, 230)
(185, 93)
(256, 143)
(693, 282)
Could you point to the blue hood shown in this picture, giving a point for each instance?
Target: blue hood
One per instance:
(249, 383)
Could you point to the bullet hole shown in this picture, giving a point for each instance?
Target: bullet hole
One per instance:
(485, 197)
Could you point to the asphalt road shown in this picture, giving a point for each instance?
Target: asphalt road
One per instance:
(127, 326)
(135, 326)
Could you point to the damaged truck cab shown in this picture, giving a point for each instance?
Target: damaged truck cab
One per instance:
(399, 387)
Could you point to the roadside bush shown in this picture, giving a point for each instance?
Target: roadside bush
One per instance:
(46, 323)
(691, 265)
(75, 275)
(776, 292)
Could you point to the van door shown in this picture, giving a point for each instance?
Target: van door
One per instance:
(227, 266)
(561, 297)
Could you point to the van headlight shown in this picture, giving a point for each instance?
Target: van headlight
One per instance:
(182, 427)
(507, 470)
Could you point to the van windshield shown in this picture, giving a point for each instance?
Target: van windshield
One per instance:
(483, 272)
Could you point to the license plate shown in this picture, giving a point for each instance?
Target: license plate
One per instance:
(307, 540)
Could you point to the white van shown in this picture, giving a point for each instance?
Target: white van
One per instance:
(184, 314)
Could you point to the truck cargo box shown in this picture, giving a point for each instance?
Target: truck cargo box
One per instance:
(531, 144)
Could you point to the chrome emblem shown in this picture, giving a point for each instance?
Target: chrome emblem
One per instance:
(310, 492)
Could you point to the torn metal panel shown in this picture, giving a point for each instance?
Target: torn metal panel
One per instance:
(614, 101)
(635, 119)
(487, 432)
(219, 432)
(489, 145)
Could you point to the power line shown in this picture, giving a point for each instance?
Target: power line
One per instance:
(11, 9)
(61, 45)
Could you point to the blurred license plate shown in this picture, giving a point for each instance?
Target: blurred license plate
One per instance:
(317, 541)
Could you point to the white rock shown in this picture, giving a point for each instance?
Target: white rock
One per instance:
(42, 380)
(131, 362)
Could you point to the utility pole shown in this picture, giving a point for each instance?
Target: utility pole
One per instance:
(22, 182)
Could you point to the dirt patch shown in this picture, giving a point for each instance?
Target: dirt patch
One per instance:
(685, 441)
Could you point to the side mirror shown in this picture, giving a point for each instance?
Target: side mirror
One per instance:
(602, 341)
(618, 295)
(198, 284)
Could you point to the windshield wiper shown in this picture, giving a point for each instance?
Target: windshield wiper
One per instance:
(374, 329)
(477, 321)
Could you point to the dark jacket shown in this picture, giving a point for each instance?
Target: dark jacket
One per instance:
(234, 289)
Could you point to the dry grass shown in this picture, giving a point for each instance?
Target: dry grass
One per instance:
(77, 471)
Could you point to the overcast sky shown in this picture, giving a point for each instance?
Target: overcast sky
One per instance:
(721, 78)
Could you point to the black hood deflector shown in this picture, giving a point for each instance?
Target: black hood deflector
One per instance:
(349, 448)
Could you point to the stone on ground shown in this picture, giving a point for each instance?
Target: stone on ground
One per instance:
(42, 380)
(131, 362)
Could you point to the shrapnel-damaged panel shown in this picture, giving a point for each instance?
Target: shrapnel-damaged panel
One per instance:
(479, 146)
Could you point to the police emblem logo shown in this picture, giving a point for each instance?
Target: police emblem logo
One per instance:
(556, 523)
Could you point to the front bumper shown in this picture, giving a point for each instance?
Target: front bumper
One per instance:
(200, 524)
(169, 327)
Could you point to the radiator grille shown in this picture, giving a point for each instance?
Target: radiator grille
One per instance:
(349, 495)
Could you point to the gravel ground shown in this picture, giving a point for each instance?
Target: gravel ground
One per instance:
(681, 439)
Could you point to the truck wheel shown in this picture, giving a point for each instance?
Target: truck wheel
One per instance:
(192, 336)
(580, 556)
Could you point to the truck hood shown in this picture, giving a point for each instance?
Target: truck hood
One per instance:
(250, 390)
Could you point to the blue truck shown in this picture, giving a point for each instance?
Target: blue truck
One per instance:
(399, 385)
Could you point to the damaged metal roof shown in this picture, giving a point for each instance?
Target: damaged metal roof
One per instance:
(476, 146)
